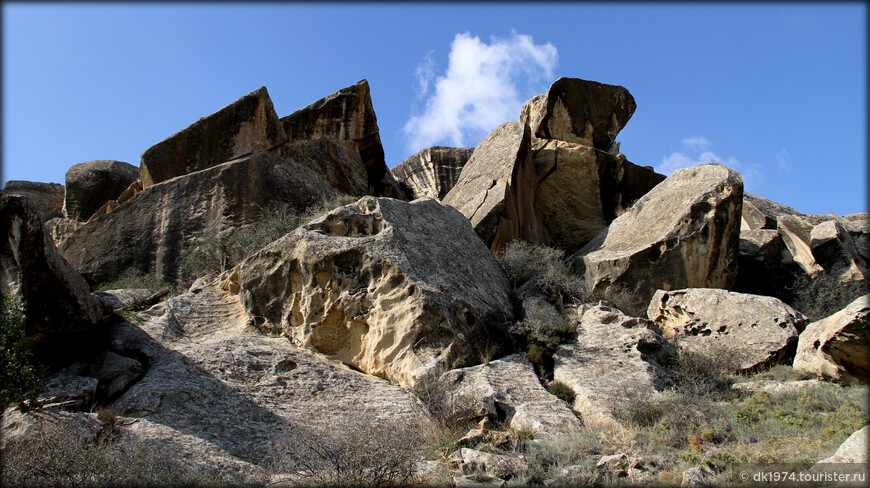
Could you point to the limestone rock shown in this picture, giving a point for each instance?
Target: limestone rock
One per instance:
(243, 127)
(684, 233)
(580, 111)
(432, 172)
(348, 115)
(91, 185)
(509, 390)
(613, 356)
(60, 228)
(115, 372)
(582, 189)
(835, 348)
(775, 387)
(395, 289)
(762, 213)
(755, 330)
(853, 449)
(795, 233)
(328, 156)
(133, 299)
(59, 309)
(69, 390)
(47, 198)
(758, 263)
(496, 189)
(834, 249)
(231, 194)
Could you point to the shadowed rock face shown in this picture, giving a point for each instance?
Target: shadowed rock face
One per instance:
(59, 307)
(47, 198)
(496, 189)
(684, 233)
(394, 289)
(835, 348)
(90, 185)
(432, 172)
(245, 126)
(579, 111)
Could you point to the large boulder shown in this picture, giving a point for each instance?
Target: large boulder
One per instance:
(328, 156)
(834, 250)
(796, 235)
(90, 185)
(47, 198)
(496, 189)
(753, 330)
(852, 451)
(395, 289)
(349, 116)
(60, 311)
(582, 189)
(580, 111)
(508, 390)
(761, 213)
(245, 126)
(149, 232)
(684, 233)
(432, 172)
(835, 348)
(613, 357)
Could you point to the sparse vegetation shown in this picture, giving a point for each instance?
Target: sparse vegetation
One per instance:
(20, 376)
(546, 266)
(562, 392)
(131, 278)
(823, 296)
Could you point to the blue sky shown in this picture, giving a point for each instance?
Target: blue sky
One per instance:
(776, 91)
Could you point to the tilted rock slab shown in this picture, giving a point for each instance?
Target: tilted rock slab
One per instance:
(496, 189)
(795, 233)
(332, 159)
(582, 189)
(835, 348)
(394, 289)
(90, 185)
(754, 330)
(433, 171)
(47, 198)
(614, 357)
(508, 389)
(60, 309)
(245, 126)
(579, 111)
(149, 232)
(761, 213)
(834, 249)
(349, 116)
(684, 233)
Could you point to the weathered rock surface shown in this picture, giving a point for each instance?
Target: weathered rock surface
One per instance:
(754, 330)
(582, 189)
(70, 389)
(834, 250)
(496, 189)
(432, 172)
(349, 116)
(133, 299)
(60, 228)
(853, 449)
(580, 111)
(508, 390)
(245, 126)
(795, 233)
(775, 387)
(115, 373)
(762, 213)
(684, 233)
(614, 356)
(231, 194)
(59, 308)
(472, 461)
(328, 156)
(394, 289)
(91, 185)
(47, 198)
(835, 348)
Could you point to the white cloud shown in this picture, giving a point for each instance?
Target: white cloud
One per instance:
(752, 177)
(480, 88)
(782, 160)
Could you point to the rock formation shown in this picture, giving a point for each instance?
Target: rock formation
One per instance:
(47, 198)
(496, 189)
(432, 172)
(90, 185)
(684, 233)
(376, 285)
(835, 348)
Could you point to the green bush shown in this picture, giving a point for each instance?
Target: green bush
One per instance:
(133, 279)
(562, 392)
(20, 376)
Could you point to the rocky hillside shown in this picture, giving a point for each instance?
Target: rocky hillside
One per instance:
(263, 301)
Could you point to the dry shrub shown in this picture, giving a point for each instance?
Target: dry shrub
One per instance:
(545, 266)
(824, 295)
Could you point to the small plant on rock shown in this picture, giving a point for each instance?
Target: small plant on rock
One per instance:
(20, 376)
(562, 392)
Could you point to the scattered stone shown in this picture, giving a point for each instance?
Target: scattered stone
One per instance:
(243, 127)
(496, 189)
(395, 289)
(579, 111)
(684, 233)
(91, 185)
(701, 475)
(477, 481)
(752, 330)
(47, 198)
(432, 172)
(835, 348)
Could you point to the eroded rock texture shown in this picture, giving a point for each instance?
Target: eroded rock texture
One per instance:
(432, 172)
(245, 126)
(753, 330)
(579, 111)
(684, 233)
(47, 198)
(835, 348)
(496, 189)
(394, 289)
(90, 185)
